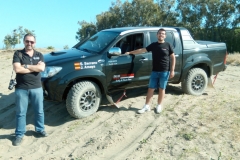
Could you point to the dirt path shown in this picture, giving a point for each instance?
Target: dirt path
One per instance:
(189, 127)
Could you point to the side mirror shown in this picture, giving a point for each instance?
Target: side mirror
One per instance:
(115, 51)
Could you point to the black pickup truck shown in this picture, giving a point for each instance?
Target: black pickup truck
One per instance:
(98, 66)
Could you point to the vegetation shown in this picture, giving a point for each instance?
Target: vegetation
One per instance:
(233, 59)
(65, 47)
(86, 30)
(216, 20)
(11, 40)
(50, 47)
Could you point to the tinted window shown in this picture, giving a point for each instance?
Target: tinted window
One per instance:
(130, 42)
(98, 41)
(170, 38)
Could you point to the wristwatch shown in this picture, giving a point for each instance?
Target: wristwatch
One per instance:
(25, 66)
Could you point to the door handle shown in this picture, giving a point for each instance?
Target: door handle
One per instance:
(101, 61)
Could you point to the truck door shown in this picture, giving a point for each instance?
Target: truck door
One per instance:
(172, 37)
(128, 71)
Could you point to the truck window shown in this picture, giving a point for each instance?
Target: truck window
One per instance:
(130, 42)
(98, 42)
(170, 38)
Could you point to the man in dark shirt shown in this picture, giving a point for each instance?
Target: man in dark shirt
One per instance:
(28, 64)
(161, 68)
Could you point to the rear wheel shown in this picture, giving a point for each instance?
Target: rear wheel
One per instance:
(195, 82)
(83, 99)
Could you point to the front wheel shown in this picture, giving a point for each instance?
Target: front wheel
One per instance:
(195, 82)
(83, 99)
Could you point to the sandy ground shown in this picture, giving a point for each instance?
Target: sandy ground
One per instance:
(190, 127)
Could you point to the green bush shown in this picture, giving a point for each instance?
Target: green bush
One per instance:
(50, 47)
(66, 47)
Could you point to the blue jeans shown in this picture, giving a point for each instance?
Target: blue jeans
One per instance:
(158, 80)
(36, 99)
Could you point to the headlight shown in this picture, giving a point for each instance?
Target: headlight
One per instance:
(50, 71)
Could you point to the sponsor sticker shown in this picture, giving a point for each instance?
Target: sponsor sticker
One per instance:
(85, 65)
(123, 77)
(112, 62)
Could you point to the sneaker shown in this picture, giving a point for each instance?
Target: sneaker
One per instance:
(144, 109)
(158, 109)
(42, 134)
(17, 141)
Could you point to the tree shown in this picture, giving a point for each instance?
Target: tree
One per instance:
(65, 47)
(144, 13)
(216, 20)
(127, 14)
(15, 38)
(134, 13)
(7, 41)
(168, 15)
(86, 30)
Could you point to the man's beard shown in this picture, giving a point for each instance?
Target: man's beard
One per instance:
(160, 39)
(29, 48)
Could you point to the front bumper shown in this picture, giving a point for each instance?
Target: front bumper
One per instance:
(52, 91)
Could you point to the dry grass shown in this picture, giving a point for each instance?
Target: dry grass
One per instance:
(42, 50)
(234, 59)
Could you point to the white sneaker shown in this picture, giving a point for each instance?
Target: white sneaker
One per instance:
(144, 109)
(158, 109)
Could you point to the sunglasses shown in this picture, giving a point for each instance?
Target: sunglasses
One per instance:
(27, 41)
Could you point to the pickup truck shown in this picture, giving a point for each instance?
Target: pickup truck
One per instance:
(98, 66)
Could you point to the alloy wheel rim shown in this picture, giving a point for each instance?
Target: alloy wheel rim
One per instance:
(87, 101)
(198, 83)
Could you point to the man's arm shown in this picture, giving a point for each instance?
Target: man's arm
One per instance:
(37, 68)
(173, 65)
(138, 51)
(18, 68)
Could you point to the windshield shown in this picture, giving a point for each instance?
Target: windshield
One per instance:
(98, 42)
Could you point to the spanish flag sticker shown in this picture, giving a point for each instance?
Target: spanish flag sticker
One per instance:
(77, 66)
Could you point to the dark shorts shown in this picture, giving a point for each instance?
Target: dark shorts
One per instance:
(158, 80)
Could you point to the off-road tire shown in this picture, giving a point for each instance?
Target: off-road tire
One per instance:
(196, 82)
(83, 99)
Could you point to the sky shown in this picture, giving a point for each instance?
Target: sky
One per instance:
(55, 22)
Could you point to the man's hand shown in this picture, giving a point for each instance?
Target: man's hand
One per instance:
(40, 62)
(37, 68)
(18, 68)
(171, 74)
(173, 65)
(138, 51)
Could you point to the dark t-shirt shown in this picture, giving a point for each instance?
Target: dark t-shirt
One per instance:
(28, 80)
(160, 56)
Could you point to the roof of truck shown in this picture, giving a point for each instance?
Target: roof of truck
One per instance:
(124, 30)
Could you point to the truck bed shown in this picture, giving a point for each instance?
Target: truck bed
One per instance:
(211, 44)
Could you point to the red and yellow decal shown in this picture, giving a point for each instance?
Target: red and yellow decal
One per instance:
(77, 65)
